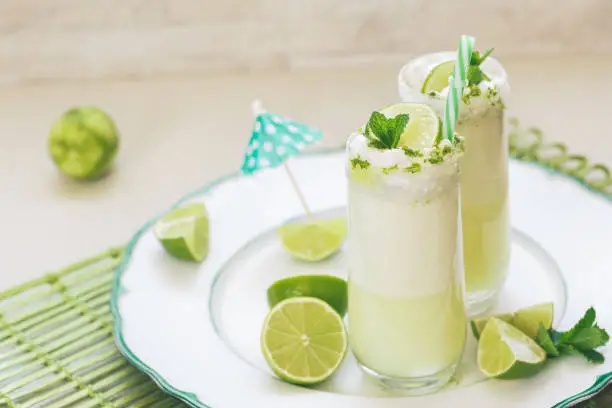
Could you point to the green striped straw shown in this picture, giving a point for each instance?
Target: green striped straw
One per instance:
(457, 84)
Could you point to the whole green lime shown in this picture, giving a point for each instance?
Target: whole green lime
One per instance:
(330, 289)
(84, 142)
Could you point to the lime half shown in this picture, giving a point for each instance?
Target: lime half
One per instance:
(330, 289)
(529, 319)
(424, 128)
(438, 77)
(313, 241)
(84, 142)
(304, 340)
(506, 352)
(184, 232)
(479, 324)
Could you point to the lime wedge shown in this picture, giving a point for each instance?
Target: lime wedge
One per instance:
(184, 232)
(438, 77)
(528, 320)
(506, 352)
(424, 128)
(328, 288)
(83, 142)
(313, 241)
(479, 324)
(304, 340)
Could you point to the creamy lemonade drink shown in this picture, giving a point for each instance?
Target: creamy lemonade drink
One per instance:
(407, 320)
(484, 168)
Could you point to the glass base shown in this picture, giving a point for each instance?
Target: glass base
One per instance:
(479, 303)
(413, 385)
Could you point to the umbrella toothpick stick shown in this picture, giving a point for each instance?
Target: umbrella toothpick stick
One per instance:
(258, 109)
(297, 189)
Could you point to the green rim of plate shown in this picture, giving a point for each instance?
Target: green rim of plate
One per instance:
(524, 145)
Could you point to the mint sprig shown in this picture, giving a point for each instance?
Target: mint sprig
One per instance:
(475, 75)
(580, 340)
(383, 132)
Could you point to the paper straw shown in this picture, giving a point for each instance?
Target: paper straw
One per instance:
(457, 84)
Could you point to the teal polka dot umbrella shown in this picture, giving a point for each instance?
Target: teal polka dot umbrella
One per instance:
(274, 140)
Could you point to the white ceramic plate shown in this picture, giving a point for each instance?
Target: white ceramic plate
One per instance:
(195, 328)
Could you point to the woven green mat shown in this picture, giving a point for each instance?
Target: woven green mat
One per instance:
(56, 341)
(57, 347)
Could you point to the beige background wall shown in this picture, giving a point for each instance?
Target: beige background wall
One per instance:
(44, 40)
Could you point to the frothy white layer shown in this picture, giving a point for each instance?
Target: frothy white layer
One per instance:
(357, 147)
(387, 170)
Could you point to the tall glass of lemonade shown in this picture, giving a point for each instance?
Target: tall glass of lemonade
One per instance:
(484, 168)
(407, 319)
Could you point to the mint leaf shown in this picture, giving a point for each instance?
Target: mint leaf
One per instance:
(377, 144)
(383, 132)
(475, 75)
(486, 55)
(593, 356)
(398, 124)
(368, 132)
(582, 339)
(586, 321)
(545, 341)
(554, 335)
(589, 338)
(568, 350)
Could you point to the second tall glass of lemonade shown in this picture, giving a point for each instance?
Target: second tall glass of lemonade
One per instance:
(484, 167)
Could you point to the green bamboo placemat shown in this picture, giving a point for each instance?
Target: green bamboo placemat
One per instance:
(56, 332)
(57, 347)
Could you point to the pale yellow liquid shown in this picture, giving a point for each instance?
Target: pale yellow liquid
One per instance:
(410, 336)
(484, 204)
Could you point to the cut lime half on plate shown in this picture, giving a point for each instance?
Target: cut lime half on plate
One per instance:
(424, 128)
(315, 240)
(304, 340)
(183, 232)
(330, 289)
(527, 319)
(438, 77)
(84, 142)
(506, 352)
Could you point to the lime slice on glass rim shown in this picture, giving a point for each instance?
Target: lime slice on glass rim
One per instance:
(330, 289)
(83, 142)
(183, 232)
(438, 77)
(505, 352)
(527, 319)
(424, 128)
(315, 240)
(304, 340)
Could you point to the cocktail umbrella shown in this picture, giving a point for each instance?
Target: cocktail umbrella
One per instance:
(273, 141)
